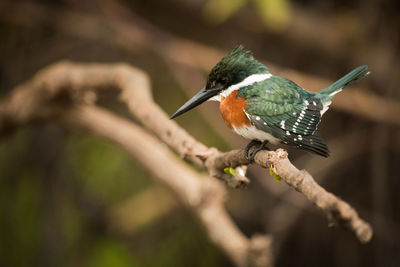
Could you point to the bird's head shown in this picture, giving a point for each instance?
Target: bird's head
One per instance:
(233, 69)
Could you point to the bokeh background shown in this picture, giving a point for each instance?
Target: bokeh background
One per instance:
(64, 195)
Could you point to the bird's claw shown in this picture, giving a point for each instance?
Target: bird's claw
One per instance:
(250, 145)
(258, 149)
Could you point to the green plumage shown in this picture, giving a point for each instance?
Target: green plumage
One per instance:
(274, 96)
(233, 68)
(350, 78)
(290, 113)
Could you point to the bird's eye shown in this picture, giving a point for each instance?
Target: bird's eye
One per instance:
(222, 81)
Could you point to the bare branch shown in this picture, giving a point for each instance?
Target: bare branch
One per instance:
(58, 94)
(199, 192)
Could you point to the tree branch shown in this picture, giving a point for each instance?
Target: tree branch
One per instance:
(338, 212)
(64, 92)
(201, 194)
(60, 93)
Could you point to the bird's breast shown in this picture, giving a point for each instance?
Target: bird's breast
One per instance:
(232, 111)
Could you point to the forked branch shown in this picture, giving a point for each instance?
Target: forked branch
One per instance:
(65, 92)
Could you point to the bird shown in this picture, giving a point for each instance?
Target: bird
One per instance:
(267, 108)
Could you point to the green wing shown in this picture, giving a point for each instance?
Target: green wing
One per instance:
(285, 110)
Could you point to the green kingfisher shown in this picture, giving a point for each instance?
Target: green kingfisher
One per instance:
(266, 108)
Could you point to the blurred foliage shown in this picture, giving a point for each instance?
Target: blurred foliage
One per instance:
(274, 13)
(105, 169)
(218, 11)
(105, 253)
(31, 216)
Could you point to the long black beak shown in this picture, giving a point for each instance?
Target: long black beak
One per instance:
(196, 100)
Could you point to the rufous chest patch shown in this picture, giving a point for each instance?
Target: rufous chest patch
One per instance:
(232, 111)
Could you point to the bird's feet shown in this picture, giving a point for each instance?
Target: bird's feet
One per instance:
(261, 146)
(250, 145)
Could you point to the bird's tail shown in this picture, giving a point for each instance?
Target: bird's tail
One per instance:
(350, 78)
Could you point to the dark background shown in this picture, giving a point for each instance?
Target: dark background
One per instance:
(59, 188)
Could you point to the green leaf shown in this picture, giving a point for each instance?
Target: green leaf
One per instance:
(276, 176)
(230, 170)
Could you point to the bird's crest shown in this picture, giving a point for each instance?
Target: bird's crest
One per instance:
(235, 67)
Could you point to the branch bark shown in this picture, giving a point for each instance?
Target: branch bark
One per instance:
(338, 212)
(203, 195)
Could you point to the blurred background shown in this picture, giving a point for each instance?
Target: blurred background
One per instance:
(71, 199)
